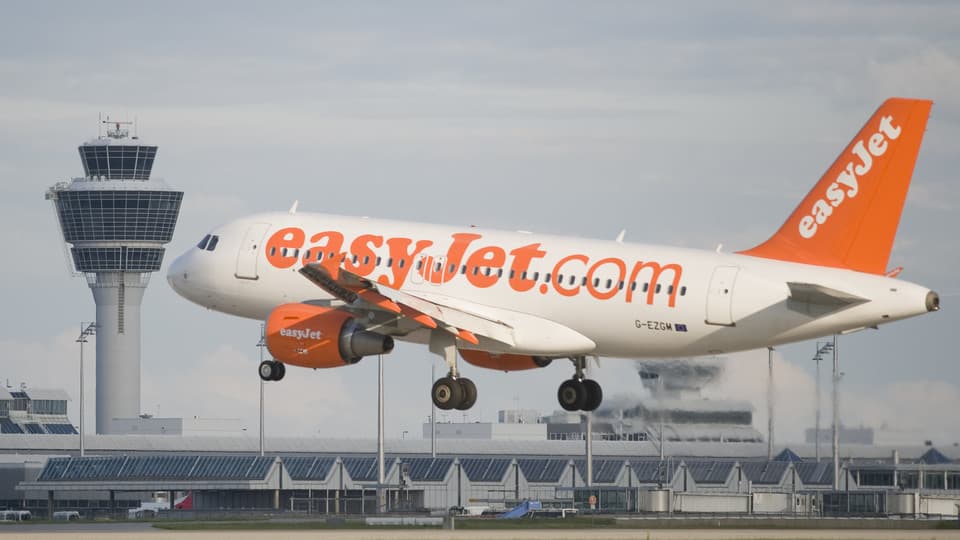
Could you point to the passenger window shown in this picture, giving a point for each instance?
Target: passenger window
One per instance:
(621, 286)
(401, 263)
(420, 264)
(523, 276)
(670, 289)
(500, 272)
(273, 251)
(389, 262)
(283, 252)
(596, 282)
(453, 269)
(463, 270)
(319, 255)
(559, 278)
(658, 289)
(536, 276)
(512, 273)
(683, 290)
(203, 243)
(296, 251)
(354, 259)
(475, 270)
(366, 260)
(438, 266)
(609, 283)
(646, 287)
(306, 255)
(633, 286)
(546, 278)
(379, 260)
(583, 282)
(573, 279)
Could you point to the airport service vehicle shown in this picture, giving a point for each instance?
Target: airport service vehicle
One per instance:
(335, 289)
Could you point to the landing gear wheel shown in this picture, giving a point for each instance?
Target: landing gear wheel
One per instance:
(271, 370)
(594, 394)
(469, 394)
(572, 395)
(447, 393)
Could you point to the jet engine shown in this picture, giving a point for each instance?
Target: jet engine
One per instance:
(320, 337)
(504, 362)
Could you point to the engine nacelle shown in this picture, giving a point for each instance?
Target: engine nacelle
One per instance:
(320, 337)
(504, 362)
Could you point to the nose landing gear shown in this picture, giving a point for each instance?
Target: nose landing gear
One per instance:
(579, 393)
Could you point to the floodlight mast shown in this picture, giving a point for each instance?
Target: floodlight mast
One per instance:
(86, 329)
(823, 347)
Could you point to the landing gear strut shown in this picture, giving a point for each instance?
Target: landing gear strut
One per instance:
(271, 370)
(579, 393)
(452, 391)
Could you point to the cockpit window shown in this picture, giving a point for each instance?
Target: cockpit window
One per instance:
(213, 243)
(203, 243)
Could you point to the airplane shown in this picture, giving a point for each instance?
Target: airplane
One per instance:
(334, 289)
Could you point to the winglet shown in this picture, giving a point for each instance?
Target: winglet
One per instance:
(850, 218)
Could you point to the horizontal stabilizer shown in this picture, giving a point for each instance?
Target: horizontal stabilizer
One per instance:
(825, 297)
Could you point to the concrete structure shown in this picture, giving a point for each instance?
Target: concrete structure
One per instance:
(116, 220)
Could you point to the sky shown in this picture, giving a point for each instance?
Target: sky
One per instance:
(685, 123)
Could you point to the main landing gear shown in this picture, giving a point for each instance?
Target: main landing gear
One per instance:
(452, 391)
(271, 370)
(579, 393)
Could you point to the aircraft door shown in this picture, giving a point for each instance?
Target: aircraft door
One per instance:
(720, 296)
(247, 255)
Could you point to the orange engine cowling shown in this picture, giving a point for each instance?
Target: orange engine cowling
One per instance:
(504, 362)
(320, 337)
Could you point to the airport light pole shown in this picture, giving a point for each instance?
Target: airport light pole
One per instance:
(261, 345)
(89, 330)
(769, 403)
(823, 347)
(433, 417)
(836, 415)
(381, 503)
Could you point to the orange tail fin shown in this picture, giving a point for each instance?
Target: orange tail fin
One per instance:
(849, 219)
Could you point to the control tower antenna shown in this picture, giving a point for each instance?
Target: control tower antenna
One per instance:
(115, 220)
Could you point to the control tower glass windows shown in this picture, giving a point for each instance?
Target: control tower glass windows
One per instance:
(117, 259)
(116, 162)
(96, 215)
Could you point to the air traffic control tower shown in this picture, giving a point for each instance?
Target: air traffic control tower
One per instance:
(116, 220)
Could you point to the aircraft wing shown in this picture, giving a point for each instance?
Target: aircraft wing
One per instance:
(507, 331)
(354, 289)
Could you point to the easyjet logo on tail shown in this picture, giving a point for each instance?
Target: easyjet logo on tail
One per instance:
(390, 261)
(847, 183)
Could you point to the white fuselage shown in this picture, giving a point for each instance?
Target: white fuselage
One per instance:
(700, 302)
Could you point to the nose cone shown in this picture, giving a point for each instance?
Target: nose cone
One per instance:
(179, 273)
